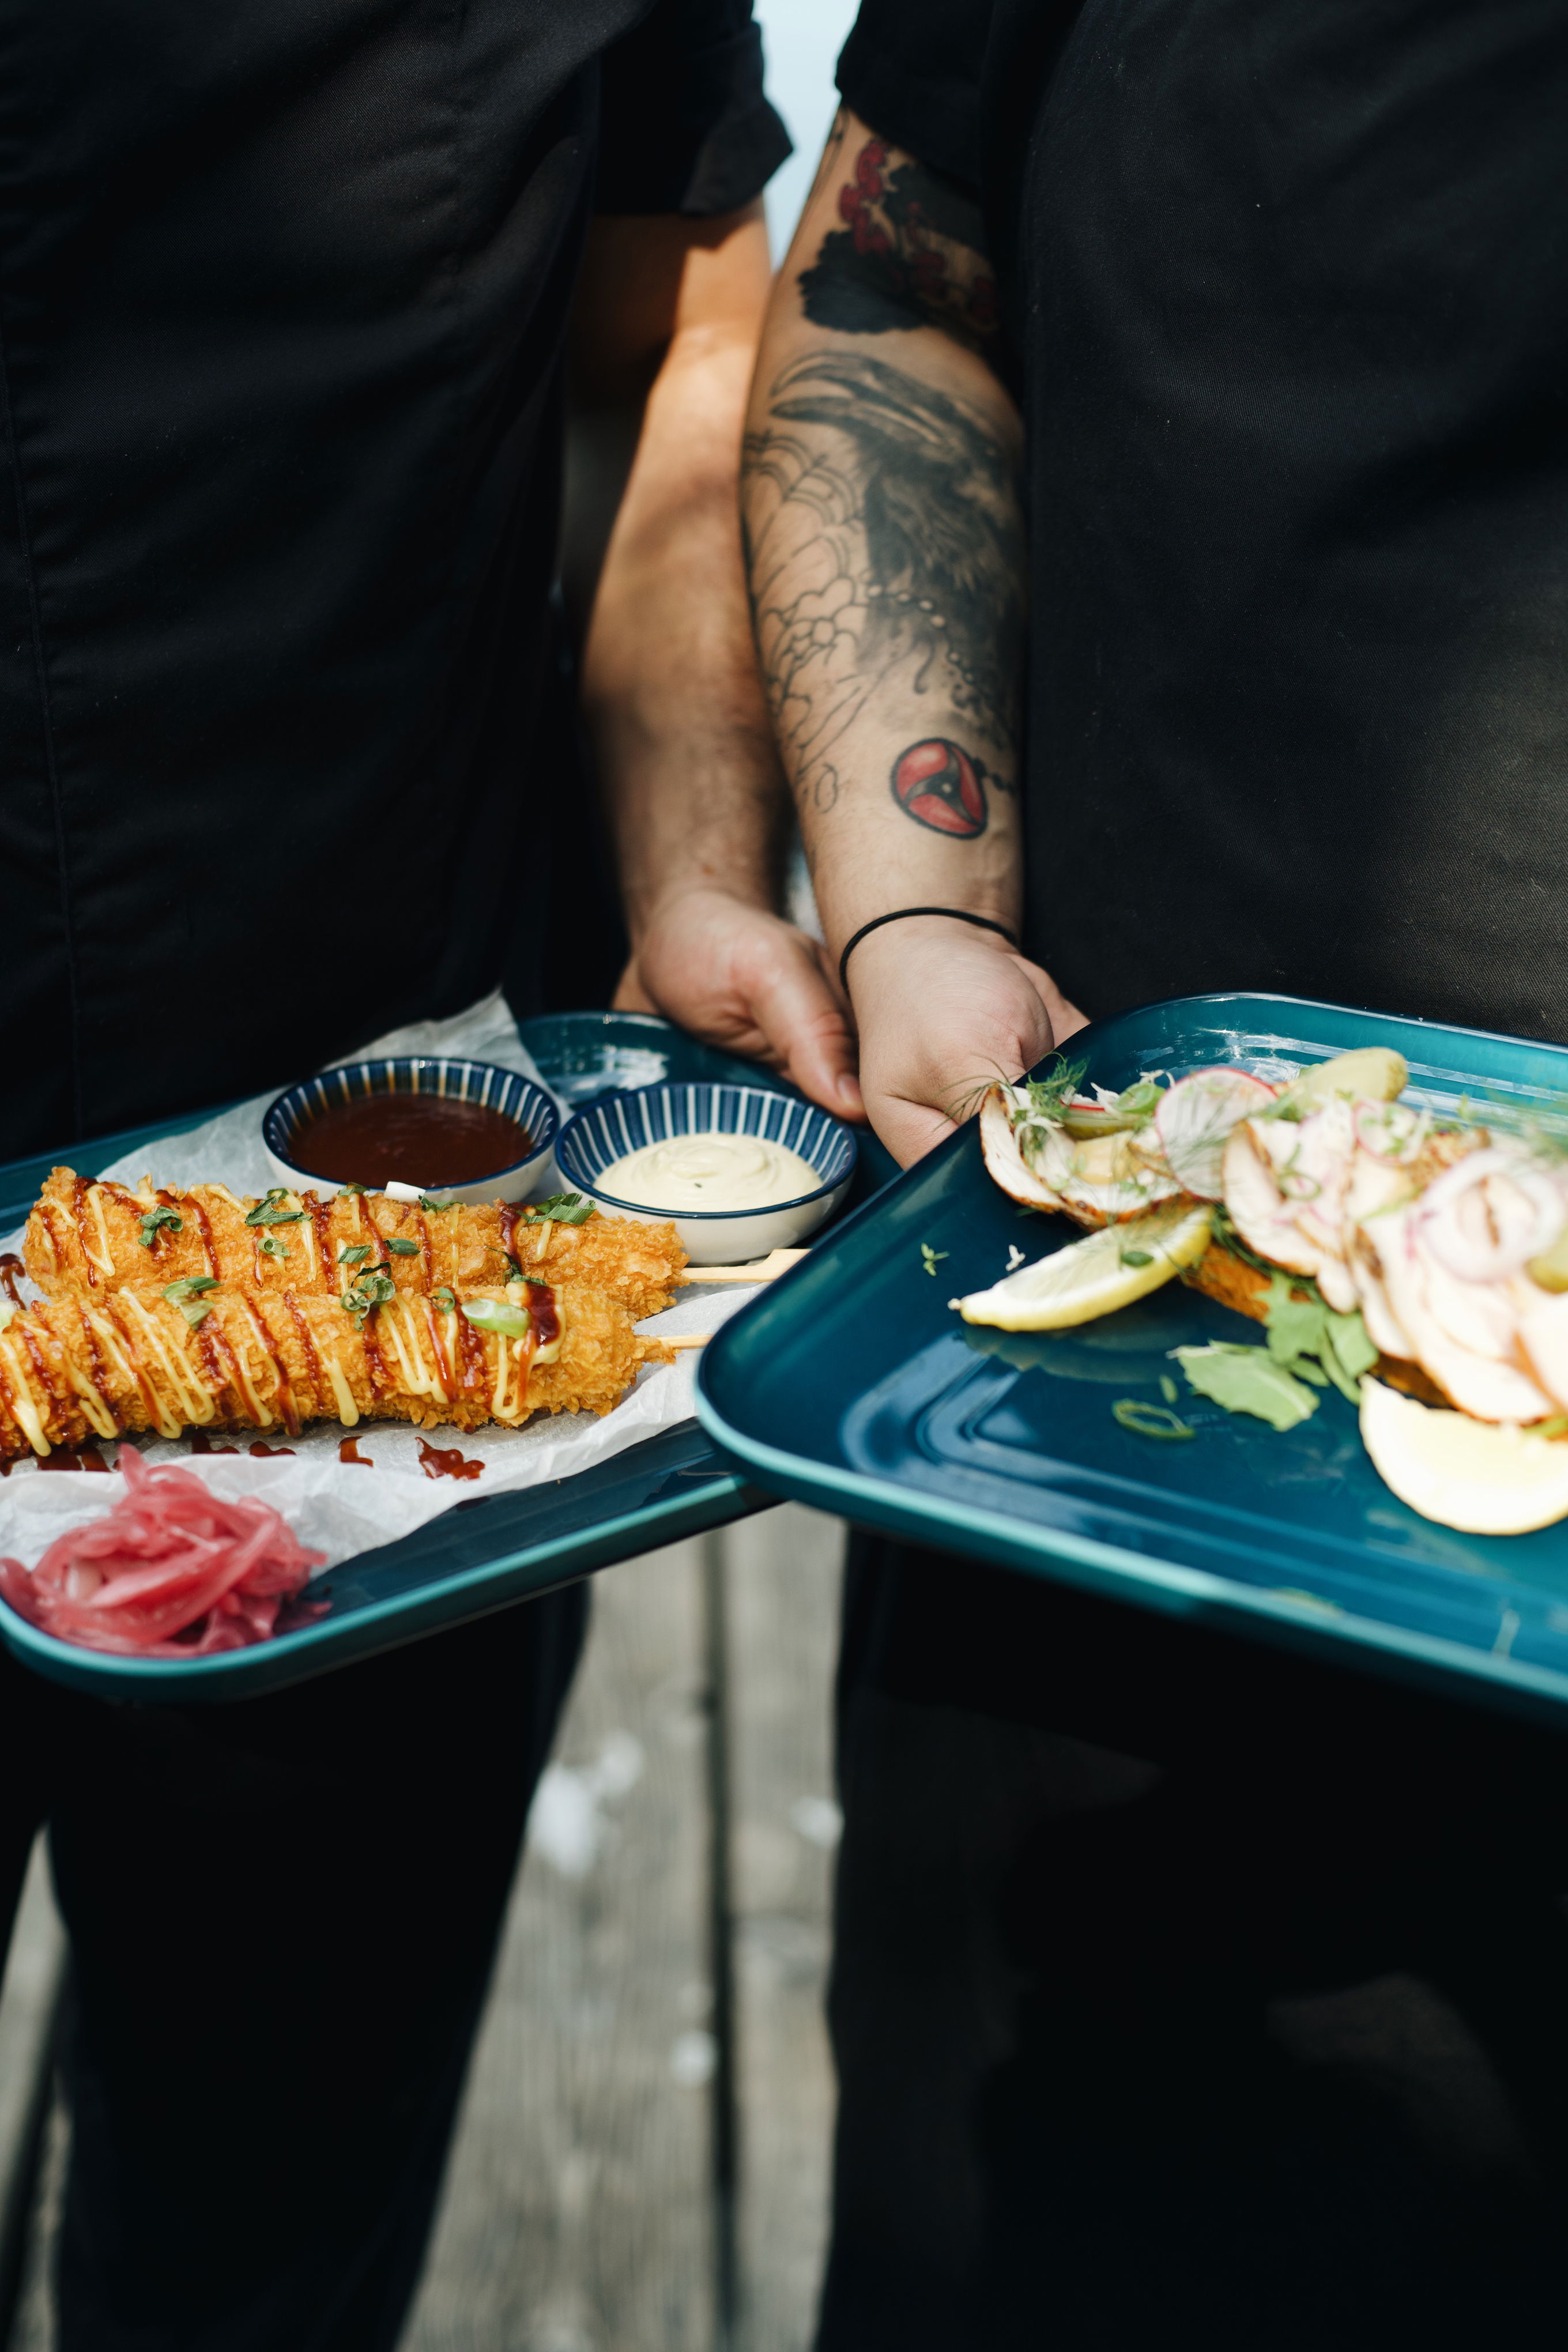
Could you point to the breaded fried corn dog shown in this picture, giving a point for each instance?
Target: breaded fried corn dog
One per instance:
(103, 1236)
(84, 1364)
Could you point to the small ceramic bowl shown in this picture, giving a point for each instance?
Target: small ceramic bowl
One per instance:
(607, 1130)
(284, 1126)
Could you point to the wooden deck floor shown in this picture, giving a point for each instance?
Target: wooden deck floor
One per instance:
(641, 2164)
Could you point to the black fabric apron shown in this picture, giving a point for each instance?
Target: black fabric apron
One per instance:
(1291, 292)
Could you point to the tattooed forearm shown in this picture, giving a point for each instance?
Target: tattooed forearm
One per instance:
(910, 253)
(886, 562)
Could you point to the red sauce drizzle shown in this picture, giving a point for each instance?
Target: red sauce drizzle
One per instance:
(374, 1366)
(267, 1453)
(203, 1222)
(348, 1451)
(443, 1362)
(510, 1212)
(308, 1348)
(149, 1401)
(78, 1209)
(447, 1462)
(321, 1227)
(202, 1443)
(40, 1365)
(471, 1348)
(10, 1267)
(285, 1392)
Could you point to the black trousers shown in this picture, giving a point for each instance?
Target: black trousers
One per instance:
(1184, 1994)
(283, 1913)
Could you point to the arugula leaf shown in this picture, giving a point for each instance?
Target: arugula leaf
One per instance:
(351, 1253)
(1302, 1328)
(1248, 1380)
(155, 1218)
(560, 1209)
(401, 1248)
(189, 1286)
(268, 1213)
(494, 1315)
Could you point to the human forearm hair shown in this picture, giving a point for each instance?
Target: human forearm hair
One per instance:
(884, 538)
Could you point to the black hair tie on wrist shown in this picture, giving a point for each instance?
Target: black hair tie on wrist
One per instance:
(959, 915)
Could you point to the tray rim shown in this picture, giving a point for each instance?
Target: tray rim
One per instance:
(1136, 1578)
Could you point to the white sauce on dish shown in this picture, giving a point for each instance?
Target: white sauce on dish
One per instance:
(709, 1171)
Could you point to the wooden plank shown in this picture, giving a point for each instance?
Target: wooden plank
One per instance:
(28, 1999)
(783, 1574)
(577, 2215)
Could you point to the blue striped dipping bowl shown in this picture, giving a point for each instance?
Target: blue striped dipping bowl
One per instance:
(285, 1124)
(607, 1130)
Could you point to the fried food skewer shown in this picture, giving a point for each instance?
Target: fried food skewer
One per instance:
(80, 1365)
(97, 1238)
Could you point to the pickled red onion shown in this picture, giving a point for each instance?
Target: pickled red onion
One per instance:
(171, 1558)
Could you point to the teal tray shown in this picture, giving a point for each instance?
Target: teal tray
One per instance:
(482, 1555)
(851, 1386)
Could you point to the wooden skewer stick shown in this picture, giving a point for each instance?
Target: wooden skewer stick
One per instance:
(763, 1269)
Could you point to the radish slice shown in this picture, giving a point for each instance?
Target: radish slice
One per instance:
(1194, 1121)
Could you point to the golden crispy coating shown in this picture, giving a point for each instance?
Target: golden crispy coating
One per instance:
(82, 1364)
(98, 1237)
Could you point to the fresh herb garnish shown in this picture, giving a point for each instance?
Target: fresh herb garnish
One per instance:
(369, 1290)
(351, 1253)
(560, 1209)
(401, 1248)
(437, 1208)
(495, 1315)
(931, 1258)
(185, 1295)
(273, 1245)
(158, 1217)
(360, 1189)
(445, 1300)
(1135, 1257)
(268, 1213)
(1150, 1420)
(1168, 1388)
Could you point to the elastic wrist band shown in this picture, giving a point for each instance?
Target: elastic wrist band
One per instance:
(959, 915)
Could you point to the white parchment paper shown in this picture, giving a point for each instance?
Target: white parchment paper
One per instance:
(341, 1508)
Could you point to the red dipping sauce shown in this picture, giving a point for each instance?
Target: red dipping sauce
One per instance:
(429, 1140)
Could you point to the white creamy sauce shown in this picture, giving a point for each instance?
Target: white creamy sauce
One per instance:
(709, 1171)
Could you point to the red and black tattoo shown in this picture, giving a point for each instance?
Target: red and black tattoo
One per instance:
(942, 786)
(909, 255)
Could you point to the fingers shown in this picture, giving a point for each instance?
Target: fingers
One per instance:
(806, 1027)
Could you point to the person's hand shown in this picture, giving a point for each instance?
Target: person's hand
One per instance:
(944, 1010)
(745, 980)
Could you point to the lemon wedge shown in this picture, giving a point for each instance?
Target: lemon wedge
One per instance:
(1484, 1478)
(1094, 1276)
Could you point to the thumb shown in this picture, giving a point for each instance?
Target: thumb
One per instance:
(808, 1029)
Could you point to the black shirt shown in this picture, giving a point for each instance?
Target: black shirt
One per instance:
(284, 286)
(1287, 283)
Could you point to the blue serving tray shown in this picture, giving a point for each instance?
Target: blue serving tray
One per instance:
(851, 1385)
(482, 1555)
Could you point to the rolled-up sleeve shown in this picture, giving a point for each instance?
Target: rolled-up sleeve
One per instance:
(686, 126)
(912, 70)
